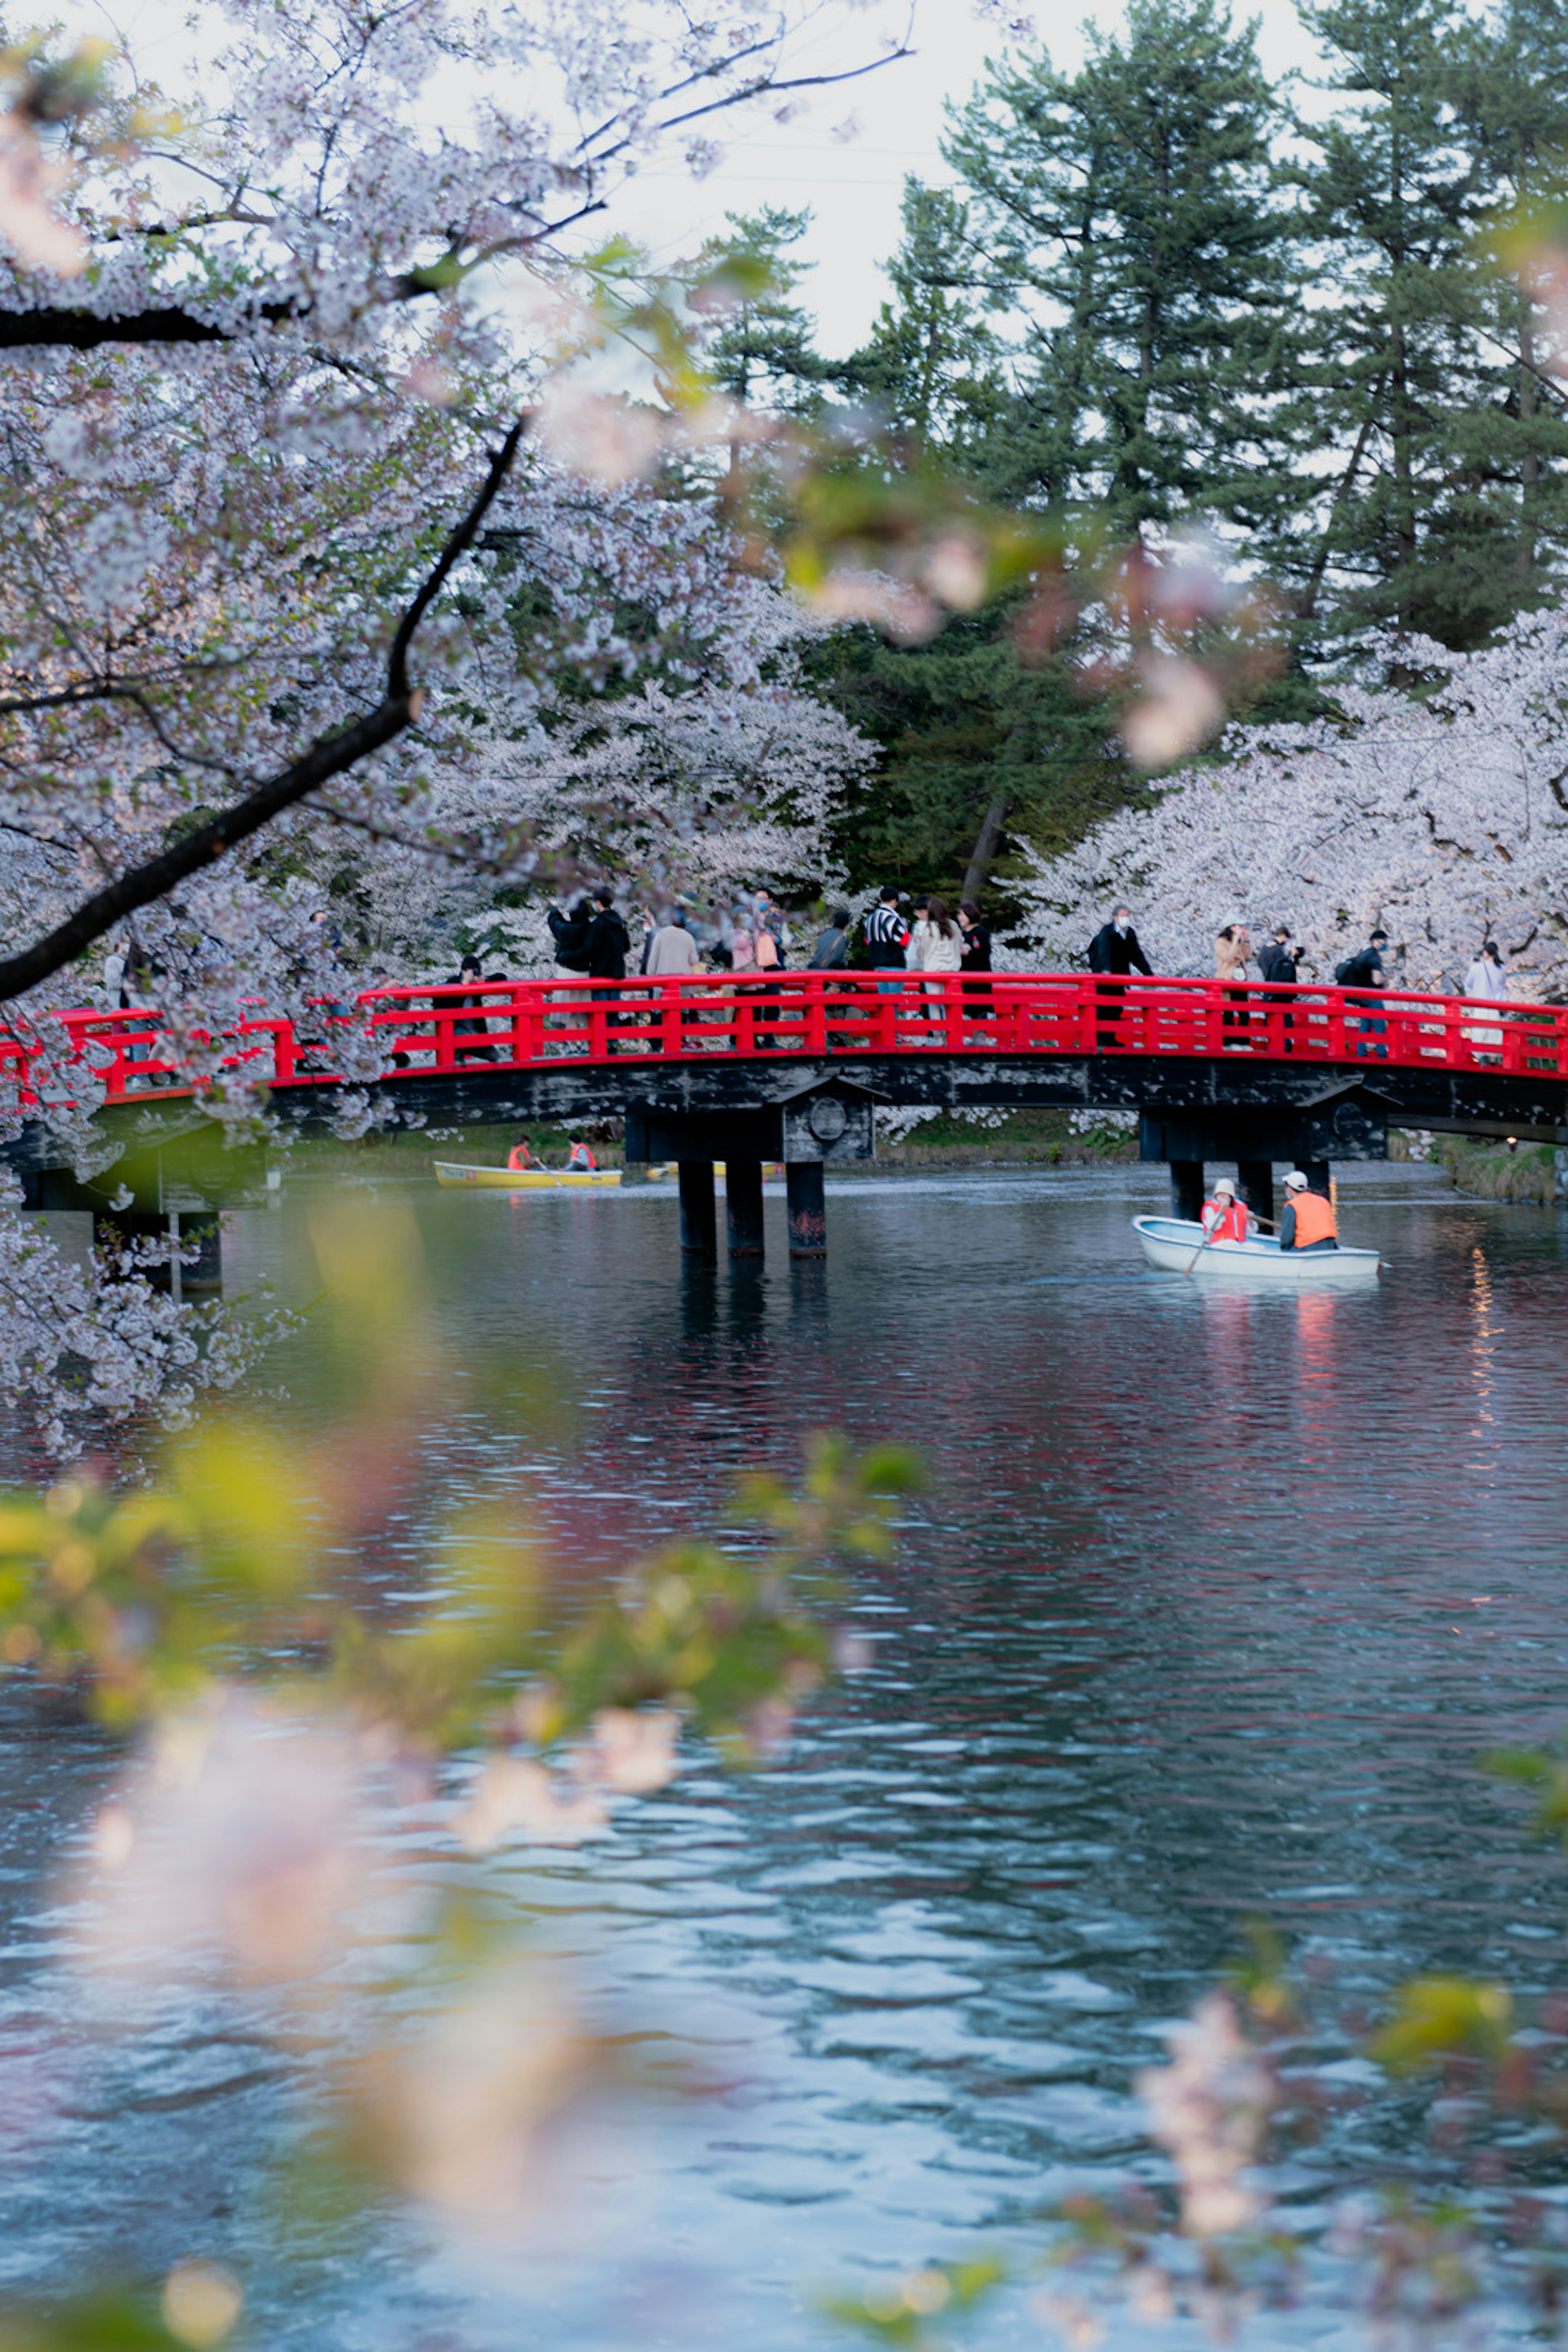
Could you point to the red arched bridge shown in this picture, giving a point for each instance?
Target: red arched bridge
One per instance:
(747, 1067)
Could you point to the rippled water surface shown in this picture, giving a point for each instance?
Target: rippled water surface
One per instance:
(1212, 1601)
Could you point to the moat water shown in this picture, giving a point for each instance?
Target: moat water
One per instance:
(1210, 1607)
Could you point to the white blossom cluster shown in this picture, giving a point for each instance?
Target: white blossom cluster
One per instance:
(704, 767)
(1441, 815)
(308, 295)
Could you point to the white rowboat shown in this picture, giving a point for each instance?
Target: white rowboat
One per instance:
(1171, 1244)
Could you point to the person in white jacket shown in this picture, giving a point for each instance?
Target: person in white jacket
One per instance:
(943, 953)
(1487, 982)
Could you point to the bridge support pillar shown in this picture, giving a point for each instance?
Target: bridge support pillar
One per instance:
(699, 1222)
(807, 1209)
(114, 1230)
(743, 1204)
(1187, 1189)
(1255, 1182)
(201, 1274)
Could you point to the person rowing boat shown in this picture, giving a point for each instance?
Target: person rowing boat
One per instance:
(1309, 1222)
(1224, 1218)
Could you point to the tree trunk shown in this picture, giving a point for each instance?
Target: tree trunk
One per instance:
(1308, 603)
(1404, 439)
(1530, 469)
(988, 841)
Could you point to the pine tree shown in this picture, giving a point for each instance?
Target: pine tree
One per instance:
(763, 348)
(1511, 93)
(930, 364)
(977, 746)
(1127, 215)
(1401, 386)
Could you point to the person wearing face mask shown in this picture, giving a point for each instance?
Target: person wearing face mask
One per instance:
(1114, 949)
(1224, 1218)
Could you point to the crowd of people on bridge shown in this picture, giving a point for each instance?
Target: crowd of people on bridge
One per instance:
(754, 935)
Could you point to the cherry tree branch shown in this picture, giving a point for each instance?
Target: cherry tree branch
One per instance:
(62, 326)
(332, 756)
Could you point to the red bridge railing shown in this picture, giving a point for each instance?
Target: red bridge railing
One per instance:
(531, 1024)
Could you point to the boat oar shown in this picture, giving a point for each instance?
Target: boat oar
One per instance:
(1208, 1237)
(1195, 1257)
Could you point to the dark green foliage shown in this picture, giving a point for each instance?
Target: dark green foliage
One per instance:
(762, 351)
(1408, 377)
(933, 365)
(1162, 302)
(1132, 234)
(964, 723)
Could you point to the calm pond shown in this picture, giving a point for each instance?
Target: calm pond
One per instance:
(1210, 1606)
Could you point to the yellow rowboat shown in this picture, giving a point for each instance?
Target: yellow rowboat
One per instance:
(531, 1179)
(455, 1173)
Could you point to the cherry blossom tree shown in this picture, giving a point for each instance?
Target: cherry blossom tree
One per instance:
(1442, 814)
(284, 355)
(684, 785)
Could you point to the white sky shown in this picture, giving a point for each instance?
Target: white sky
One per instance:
(854, 185)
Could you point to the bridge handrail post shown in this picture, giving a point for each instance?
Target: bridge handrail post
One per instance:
(535, 1024)
(285, 1052)
(1084, 1037)
(16, 1065)
(816, 985)
(521, 1043)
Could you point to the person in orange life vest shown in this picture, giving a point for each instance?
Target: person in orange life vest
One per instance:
(581, 1157)
(520, 1156)
(1309, 1222)
(1225, 1217)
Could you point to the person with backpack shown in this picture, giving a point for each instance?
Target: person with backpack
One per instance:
(1278, 962)
(1275, 952)
(1365, 969)
(1115, 948)
(831, 952)
(569, 930)
(606, 943)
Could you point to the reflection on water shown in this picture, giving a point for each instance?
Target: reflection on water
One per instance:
(1210, 1606)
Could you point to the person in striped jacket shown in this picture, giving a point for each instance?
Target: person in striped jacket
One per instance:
(887, 937)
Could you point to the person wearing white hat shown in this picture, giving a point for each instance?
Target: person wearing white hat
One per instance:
(1308, 1221)
(1224, 1218)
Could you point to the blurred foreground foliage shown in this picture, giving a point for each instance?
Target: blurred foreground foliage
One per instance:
(1236, 2215)
(142, 1603)
(283, 1706)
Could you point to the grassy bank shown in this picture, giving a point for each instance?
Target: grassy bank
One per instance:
(1490, 1171)
(1023, 1138)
